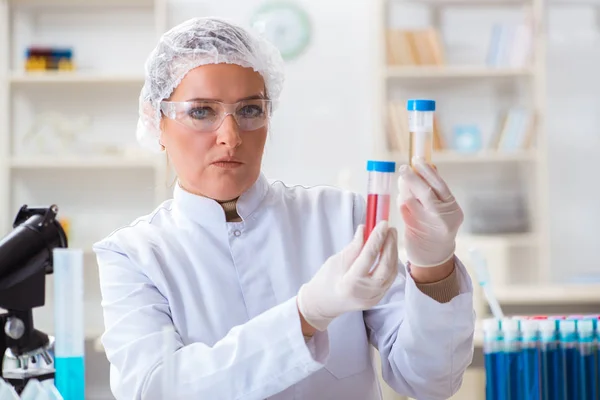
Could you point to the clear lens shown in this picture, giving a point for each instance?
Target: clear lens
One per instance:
(207, 116)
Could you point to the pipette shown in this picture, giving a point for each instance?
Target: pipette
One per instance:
(483, 277)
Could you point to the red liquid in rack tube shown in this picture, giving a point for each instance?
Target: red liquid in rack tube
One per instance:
(378, 209)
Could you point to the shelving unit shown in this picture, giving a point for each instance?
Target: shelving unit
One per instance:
(103, 90)
(459, 168)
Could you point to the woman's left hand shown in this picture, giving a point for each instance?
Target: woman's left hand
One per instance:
(431, 215)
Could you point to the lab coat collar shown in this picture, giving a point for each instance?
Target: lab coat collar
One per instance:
(205, 211)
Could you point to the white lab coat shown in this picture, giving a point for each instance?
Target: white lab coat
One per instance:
(229, 289)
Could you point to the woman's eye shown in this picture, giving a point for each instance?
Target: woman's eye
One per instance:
(201, 112)
(251, 111)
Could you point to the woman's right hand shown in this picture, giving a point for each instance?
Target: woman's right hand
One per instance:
(347, 281)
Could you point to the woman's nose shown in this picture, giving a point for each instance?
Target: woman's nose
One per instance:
(228, 133)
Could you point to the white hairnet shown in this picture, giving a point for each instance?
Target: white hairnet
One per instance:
(196, 42)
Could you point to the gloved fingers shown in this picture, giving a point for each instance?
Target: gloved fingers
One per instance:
(388, 262)
(370, 250)
(418, 187)
(352, 250)
(412, 211)
(433, 178)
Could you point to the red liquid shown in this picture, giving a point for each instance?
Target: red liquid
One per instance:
(378, 209)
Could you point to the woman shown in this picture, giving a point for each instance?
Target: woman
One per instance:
(268, 288)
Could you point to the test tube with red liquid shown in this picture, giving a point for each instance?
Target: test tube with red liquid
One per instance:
(379, 192)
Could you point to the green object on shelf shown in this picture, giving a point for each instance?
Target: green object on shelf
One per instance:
(286, 25)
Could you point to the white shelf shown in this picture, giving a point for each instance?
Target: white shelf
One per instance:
(21, 78)
(44, 162)
(453, 157)
(448, 72)
(548, 294)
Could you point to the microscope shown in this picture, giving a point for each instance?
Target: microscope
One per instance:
(25, 260)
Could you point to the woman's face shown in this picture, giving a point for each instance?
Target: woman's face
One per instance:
(222, 164)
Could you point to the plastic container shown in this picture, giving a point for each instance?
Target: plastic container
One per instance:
(420, 127)
(69, 324)
(379, 191)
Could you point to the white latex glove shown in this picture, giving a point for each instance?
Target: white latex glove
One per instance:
(346, 281)
(431, 215)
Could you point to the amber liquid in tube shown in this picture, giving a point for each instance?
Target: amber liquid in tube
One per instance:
(421, 145)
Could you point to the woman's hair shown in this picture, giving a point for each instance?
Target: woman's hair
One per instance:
(197, 42)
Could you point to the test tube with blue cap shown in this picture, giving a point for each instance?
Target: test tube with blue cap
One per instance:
(530, 353)
(587, 359)
(568, 345)
(495, 375)
(514, 367)
(420, 127)
(379, 192)
(68, 323)
(552, 373)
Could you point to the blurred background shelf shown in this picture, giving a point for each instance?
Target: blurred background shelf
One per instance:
(70, 162)
(549, 294)
(67, 77)
(455, 157)
(449, 72)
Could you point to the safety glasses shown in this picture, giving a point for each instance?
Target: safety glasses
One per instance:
(208, 116)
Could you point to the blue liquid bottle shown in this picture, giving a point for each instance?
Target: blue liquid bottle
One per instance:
(514, 363)
(531, 360)
(568, 346)
(495, 376)
(552, 372)
(587, 359)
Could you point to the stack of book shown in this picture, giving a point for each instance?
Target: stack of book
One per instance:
(510, 46)
(516, 131)
(414, 47)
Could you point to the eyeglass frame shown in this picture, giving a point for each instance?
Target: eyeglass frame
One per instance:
(168, 110)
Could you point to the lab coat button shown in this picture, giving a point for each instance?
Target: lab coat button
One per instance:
(237, 233)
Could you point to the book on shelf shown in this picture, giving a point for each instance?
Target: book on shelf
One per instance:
(414, 47)
(516, 131)
(397, 133)
(510, 45)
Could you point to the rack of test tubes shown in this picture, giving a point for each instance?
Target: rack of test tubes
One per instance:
(542, 358)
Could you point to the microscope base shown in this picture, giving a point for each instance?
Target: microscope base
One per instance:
(18, 380)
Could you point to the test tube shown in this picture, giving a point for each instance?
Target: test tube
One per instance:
(587, 359)
(379, 192)
(568, 346)
(493, 358)
(552, 383)
(512, 337)
(420, 127)
(530, 353)
(68, 323)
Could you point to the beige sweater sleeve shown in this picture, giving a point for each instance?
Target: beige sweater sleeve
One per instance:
(442, 291)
